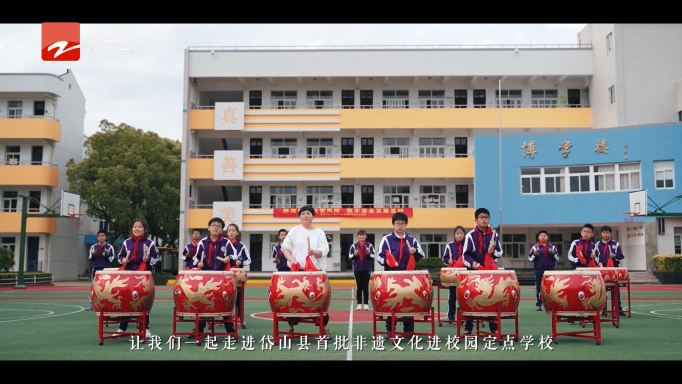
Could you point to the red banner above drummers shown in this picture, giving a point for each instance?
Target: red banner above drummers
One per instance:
(344, 212)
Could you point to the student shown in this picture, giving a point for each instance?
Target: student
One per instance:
(609, 249)
(191, 249)
(477, 247)
(142, 250)
(239, 256)
(582, 250)
(101, 255)
(452, 258)
(402, 249)
(362, 254)
(544, 257)
(277, 255)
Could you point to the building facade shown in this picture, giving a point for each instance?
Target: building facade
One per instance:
(41, 128)
(363, 133)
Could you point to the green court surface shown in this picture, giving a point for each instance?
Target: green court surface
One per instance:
(51, 323)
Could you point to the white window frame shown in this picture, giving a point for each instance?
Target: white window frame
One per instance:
(14, 109)
(12, 203)
(276, 144)
(612, 95)
(609, 42)
(395, 196)
(434, 99)
(430, 238)
(666, 168)
(432, 147)
(603, 176)
(285, 197)
(508, 246)
(553, 176)
(508, 100)
(326, 97)
(314, 148)
(531, 174)
(400, 101)
(320, 198)
(549, 98)
(12, 157)
(634, 178)
(287, 100)
(437, 192)
(677, 239)
(401, 143)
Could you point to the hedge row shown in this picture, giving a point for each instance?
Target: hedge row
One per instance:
(668, 263)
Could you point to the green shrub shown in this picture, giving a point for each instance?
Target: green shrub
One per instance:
(430, 262)
(668, 263)
(6, 259)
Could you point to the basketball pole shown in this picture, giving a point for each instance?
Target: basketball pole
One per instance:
(499, 227)
(22, 240)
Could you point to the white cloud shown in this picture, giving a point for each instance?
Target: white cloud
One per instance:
(144, 88)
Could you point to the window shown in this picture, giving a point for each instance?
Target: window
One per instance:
(14, 109)
(34, 205)
(12, 153)
(431, 99)
(347, 196)
(396, 147)
(347, 147)
(432, 196)
(396, 99)
(629, 176)
(282, 197)
(348, 99)
(318, 99)
(604, 177)
(609, 42)
(665, 172)
(574, 98)
(557, 239)
(530, 180)
(256, 149)
(396, 196)
(431, 147)
(433, 245)
(366, 99)
(319, 148)
(460, 98)
(367, 196)
(554, 180)
(319, 196)
(9, 243)
(461, 147)
(255, 99)
(612, 95)
(479, 98)
(461, 196)
(283, 148)
(38, 108)
(544, 98)
(283, 99)
(9, 201)
(274, 240)
(677, 232)
(255, 196)
(513, 246)
(580, 179)
(661, 225)
(367, 147)
(510, 98)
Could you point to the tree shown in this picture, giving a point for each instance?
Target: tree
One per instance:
(6, 259)
(130, 174)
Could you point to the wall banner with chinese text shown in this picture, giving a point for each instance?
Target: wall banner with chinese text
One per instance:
(229, 211)
(344, 212)
(228, 165)
(229, 116)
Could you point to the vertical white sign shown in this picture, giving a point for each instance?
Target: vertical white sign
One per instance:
(229, 211)
(229, 116)
(228, 165)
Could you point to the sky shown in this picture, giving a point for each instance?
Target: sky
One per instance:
(143, 88)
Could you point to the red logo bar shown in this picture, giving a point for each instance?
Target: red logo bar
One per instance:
(61, 42)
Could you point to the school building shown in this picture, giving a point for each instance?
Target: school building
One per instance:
(41, 128)
(363, 132)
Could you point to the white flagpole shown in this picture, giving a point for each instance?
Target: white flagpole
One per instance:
(500, 156)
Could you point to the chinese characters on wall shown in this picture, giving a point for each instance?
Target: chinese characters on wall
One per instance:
(600, 147)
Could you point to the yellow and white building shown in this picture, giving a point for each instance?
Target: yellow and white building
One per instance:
(41, 128)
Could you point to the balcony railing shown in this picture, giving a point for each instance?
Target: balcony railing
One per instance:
(339, 156)
(28, 117)
(491, 105)
(388, 47)
(11, 162)
(380, 205)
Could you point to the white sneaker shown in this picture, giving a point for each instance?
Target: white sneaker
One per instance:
(366, 307)
(120, 331)
(148, 335)
(359, 308)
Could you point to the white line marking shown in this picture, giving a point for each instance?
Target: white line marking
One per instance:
(27, 310)
(45, 317)
(349, 354)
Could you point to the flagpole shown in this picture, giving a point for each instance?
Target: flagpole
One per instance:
(500, 155)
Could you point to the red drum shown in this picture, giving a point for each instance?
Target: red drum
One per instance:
(609, 274)
(449, 277)
(623, 275)
(122, 293)
(299, 294)
(211, 293)
(409, 292)
(484, 293)
(241, 276)
(573, 293)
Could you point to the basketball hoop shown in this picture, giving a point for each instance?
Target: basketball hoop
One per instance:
(629, 217)
(80, 218)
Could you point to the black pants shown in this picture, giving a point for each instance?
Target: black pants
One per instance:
(407, 326)
(452, 302)
(124, 325)
(538, 284)
(362, 282)
(325, 321)
(229, 327)
(469, 326)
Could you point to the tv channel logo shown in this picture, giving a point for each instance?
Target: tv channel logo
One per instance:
(61, 42)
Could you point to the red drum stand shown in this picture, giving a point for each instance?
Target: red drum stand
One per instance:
(140, 322)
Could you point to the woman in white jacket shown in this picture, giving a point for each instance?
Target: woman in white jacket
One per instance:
(305, 241)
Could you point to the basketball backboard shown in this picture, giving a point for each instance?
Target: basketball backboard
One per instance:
(71, 204)
(638, 202)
